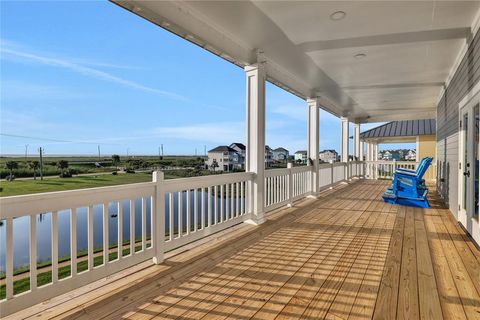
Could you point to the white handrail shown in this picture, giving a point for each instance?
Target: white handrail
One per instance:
(385, 169)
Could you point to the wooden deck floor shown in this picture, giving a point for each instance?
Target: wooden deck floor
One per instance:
(347, 255)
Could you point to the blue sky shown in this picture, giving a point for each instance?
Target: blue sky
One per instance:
(78, 74)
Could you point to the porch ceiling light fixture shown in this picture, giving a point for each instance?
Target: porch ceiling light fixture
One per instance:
(338, 15)
(360, 55)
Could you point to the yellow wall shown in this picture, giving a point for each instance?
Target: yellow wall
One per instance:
(427, 146)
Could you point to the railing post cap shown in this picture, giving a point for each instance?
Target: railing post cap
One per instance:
(158, 176)
(289, 165)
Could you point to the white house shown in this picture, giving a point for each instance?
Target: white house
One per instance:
(280, 154)
(411, 155)
(268, 156)
(387, 155)
(240, 150)
(328, 155)
(222, 158)
(301, 156)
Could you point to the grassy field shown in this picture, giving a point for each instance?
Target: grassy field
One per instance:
(44, 278)
(83, 165)
(19, 187)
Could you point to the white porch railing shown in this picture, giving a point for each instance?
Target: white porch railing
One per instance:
(383, 169)
(146, 219)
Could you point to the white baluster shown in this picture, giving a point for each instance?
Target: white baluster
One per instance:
(9, 258)
(170, 216)
(189, 212)
(195, 209)
(33, 252)
(106, 235)
(54, 227)
(90, 235)
(73, 241)
(144, 223)
(120, 229)
(132, 226)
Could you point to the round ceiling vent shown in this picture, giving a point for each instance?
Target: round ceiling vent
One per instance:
(360, 55)
(338, 15)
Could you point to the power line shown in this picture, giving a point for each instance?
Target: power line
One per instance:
(49, 139)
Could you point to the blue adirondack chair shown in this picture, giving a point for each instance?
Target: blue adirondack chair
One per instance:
(408, 186)
(406, 176)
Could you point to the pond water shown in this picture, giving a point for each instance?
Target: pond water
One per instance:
(21, 227)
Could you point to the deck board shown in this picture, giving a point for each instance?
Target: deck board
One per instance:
(346, 255)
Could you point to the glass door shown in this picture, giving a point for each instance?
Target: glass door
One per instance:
(469, 168)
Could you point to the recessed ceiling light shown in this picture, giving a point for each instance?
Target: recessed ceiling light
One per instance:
(360, 55)
(338, 15)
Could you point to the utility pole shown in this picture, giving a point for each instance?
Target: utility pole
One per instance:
(205, 150)
(99, 153)
(195, 152)
(41, 163)
(162, 149)
(26, 152)
(127, 151)
(159, 154)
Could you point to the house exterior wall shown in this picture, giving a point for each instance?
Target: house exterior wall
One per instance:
(464, 79)
(224, 160)
(427, 147)
(280, 155)
(301, 157)
(328, 156)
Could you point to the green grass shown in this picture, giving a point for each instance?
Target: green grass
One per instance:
(19, 187)
(44, 278)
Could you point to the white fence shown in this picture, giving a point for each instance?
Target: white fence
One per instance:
(112, 228)
(385, 169)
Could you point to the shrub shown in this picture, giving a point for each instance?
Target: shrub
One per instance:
(66, 174)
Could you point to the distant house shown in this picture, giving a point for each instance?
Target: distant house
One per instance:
(328, 155)
(232, 157)
(268, 156)
(301, 156)
(387, 155)
(240, 149)
(280, 154)
(411, 155)
(222, 158)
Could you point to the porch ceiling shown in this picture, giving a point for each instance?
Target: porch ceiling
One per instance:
(410, 47)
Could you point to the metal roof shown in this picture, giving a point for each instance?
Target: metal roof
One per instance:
(222, 149)
(405, 128)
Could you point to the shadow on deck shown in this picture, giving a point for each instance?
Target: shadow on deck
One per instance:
(346, 255)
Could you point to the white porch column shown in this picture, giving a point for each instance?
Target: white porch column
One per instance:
(417, 149)
(345, 138)
(344, 157)
(367, 158)
(356, 141)
(362, 151)
(255, 139)
(313, 123)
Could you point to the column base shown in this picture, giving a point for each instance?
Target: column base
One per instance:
(255, 220)
(158, 260)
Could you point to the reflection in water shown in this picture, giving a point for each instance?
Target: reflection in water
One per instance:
(21, 227)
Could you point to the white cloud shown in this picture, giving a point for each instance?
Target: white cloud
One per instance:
(86, 71)
(21, 90)
(217, 132)
(293, 112)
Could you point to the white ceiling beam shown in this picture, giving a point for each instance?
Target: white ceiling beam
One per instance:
(386, 39)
